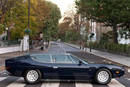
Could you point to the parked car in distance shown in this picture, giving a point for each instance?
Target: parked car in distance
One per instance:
(61, 66)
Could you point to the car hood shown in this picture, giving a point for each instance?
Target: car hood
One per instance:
(110, 66)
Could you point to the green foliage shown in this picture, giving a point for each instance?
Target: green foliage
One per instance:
(114, 13)
(72, 35)
(2, 28)
(113, 48)
(51, 23)
(106, 37)
(16, 18)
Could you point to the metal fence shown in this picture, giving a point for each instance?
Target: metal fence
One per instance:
(9, 43)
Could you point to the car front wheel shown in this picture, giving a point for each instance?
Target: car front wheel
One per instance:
(103, 76)
(32, 76)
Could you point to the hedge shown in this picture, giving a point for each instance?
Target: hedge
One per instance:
(113, 48)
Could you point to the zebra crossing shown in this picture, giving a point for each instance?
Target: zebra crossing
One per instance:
(19, 82)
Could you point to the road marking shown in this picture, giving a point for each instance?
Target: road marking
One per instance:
(83, 85)
(63, 48)
(2, 78)
(129, 70)
(50, 84)
(17, 83)
(115, 83)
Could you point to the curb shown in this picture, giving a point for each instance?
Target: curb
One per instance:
(72, 45)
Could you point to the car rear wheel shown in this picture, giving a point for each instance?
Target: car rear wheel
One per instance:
(103, 76)
(32, 76)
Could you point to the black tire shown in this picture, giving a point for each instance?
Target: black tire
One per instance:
(29, 81)
(103, 82)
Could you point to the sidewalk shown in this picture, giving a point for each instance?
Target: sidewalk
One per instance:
(113, 57)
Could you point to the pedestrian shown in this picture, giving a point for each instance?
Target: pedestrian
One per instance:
(80, 43)
(83, 45)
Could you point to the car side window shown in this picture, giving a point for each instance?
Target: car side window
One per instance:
(61, 59)
(42, 58)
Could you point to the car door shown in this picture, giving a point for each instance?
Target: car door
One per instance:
(44, 64)
(65, 67)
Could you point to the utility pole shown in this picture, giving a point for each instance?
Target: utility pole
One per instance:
(28, 24)
(91, 37)
(28, 14)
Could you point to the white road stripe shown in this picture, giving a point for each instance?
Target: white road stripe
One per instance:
(115, 83)
(17, 83)
(83, 85)
(50, 84)
(129, 70)
(2, 78)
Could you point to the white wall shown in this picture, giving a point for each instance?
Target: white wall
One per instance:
(123, 40)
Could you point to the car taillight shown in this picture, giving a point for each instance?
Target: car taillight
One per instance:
(7, 68)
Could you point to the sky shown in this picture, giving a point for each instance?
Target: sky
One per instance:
(64, 5)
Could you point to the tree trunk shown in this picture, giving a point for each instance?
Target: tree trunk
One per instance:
(8, 35)
(115, 34)
(2, 19)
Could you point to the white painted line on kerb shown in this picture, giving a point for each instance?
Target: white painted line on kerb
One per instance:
(17, 83)
(2, 78)
(63, 48)
(84, 85)
(50, 84)
(115, 83)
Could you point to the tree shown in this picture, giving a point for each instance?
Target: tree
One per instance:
(14, 19)
(112, 13)
(64, 26)
(5, 6)
(51, 22)
(14, 15)
(3, 9)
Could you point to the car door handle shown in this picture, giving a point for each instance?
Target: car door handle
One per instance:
(55, 67)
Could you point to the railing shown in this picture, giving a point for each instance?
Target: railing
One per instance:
(9, 43)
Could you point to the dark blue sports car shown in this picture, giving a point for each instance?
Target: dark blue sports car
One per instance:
(64, 67)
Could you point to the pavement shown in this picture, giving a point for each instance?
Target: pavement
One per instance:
(60, 48)
(113, 57)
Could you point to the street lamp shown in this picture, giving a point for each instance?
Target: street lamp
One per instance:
(27, 31)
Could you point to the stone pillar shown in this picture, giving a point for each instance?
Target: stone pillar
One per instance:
(26, 43)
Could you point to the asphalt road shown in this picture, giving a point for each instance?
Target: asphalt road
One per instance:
(61, 48)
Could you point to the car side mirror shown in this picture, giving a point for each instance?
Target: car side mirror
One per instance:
(80, 63)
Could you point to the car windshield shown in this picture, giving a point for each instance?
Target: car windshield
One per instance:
(62, 59)
(76, 59)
